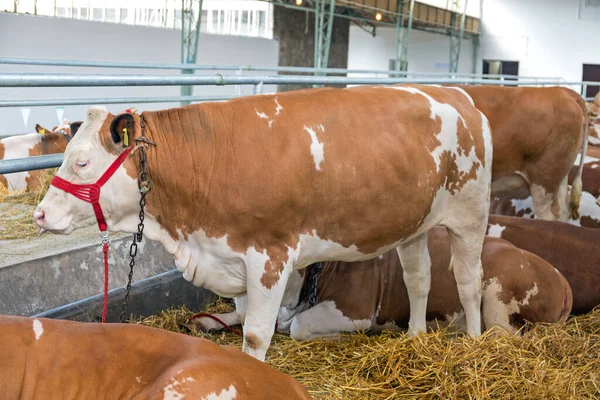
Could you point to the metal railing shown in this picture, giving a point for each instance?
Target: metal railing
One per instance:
(47, 80)
(250, 68)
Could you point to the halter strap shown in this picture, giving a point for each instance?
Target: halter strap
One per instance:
(90, 193)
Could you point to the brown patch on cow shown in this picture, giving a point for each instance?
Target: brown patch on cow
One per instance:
(253, 341)
(50, 143)
(217, 162)
(516, 320)
(589, 222)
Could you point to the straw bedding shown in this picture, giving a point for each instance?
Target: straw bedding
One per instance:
(16, 221)
(549, 362)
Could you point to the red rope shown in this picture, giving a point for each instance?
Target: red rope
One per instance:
(105, 303)
(230, 329)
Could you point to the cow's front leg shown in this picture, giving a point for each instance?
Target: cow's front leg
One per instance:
(266, 286)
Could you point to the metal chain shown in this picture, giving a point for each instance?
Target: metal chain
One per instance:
(309, 289)
(144, 186)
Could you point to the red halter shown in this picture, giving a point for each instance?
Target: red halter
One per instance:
(90, 193)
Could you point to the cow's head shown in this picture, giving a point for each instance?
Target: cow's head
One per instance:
(98, 142)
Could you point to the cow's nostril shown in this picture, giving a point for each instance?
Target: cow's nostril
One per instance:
(39, 216)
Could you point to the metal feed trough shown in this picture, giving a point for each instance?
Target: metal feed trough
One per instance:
(169, 289)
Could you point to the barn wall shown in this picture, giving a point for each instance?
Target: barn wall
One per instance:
(547, 37)
(427, 52)
(295, 31)
(45, 37)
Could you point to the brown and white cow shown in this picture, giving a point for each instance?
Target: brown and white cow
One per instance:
(570, 249)
(534, 144)
(43, 142)
(518, 203)
(249, 190)
(57, 359)
(517, 286)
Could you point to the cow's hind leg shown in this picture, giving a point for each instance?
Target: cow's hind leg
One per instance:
(467, 243)
(551, 205)
(416, 265)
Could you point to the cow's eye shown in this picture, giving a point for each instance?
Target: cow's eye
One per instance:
(82, 164)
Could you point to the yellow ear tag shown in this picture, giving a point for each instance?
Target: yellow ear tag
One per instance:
(125, 137)
(42, 131)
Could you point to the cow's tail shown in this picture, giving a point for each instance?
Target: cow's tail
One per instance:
(577, 186)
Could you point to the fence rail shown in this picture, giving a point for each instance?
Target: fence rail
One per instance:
(247, 68)
(75, 80)
(52, 80)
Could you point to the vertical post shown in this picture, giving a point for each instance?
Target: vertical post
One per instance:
(323, 28)
(456, 37)
(475, 53)
(190, 33)
(403, 35)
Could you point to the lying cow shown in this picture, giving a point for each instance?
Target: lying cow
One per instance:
(517, 286)
(570, 249)
(57, 359)
(535, 146)
(247, 191)
(33, 144)
(518, 203)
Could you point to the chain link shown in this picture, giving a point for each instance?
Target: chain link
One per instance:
(144, 186)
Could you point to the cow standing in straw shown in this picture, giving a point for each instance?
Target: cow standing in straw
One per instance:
(247, 191)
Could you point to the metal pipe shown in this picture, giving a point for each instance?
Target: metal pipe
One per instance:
(207, 67)
(71, 80)
(116, 100)
(30, 163)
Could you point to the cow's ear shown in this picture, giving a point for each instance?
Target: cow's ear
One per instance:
(41, 130)
(121, 128)
(75, 127)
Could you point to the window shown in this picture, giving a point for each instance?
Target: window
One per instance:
(62, 12)
(499, 67)
(111, 15)
(97, 14)
(123, 15)
(83, 13)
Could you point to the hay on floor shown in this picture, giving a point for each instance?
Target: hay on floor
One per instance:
(17, 222)
(549, 362)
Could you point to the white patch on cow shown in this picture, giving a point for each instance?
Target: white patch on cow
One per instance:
(225, 394)
(316, 147)
(380, 257)
(18, 147)
(525, 204)
(495, 311)
(495, 230)
(138, 379)
(265, 116)
(324, 319)
(586, 160)
(521, 266)
(278, 107)
(542, 202)
(448, 136)
(594, 166)
(171, 392)
(594, 140)
(38, 329)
